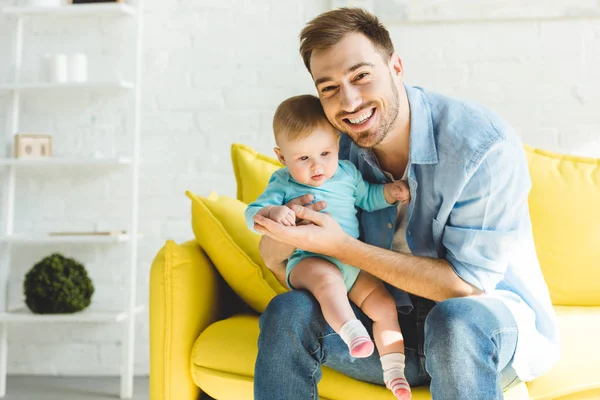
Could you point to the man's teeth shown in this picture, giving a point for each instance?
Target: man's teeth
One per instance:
(362, 118)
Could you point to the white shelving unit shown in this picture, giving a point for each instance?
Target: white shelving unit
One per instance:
(66, 162)
(22, 86)
(46, 238)
(24, 315)
(95, 10)
(9, 167)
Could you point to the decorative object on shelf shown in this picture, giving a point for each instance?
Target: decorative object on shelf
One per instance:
(54, 68)
(45, 3)
(57, 285)
(62, 68)
(77, 69)
(30, 145)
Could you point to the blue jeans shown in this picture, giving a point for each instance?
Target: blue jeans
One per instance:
(461, 347)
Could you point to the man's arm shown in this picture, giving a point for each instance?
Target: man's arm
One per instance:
(426, 277)
(431, 278)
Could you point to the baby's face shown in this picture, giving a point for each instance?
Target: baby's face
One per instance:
(314, 159)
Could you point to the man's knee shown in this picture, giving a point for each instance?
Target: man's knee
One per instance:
(451, 316)
(458, 323)
(290, 311)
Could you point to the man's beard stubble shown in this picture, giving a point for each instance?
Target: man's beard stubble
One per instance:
(388, 121)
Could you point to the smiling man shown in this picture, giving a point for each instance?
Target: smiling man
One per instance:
(480, 318)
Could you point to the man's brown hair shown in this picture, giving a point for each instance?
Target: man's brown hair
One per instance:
(329, 28)
(298, 117)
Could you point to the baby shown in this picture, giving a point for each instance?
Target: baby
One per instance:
(308, 148)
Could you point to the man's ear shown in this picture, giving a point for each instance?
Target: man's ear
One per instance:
(279, 155)
(396, 66)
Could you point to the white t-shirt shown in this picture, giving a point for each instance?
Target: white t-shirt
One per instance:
(399, 242)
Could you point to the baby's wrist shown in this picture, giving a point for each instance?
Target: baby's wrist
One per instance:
(387, 193)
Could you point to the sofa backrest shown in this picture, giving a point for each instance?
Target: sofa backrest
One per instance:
(565, 212)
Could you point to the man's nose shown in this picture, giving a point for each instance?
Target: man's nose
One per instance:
(350, 98)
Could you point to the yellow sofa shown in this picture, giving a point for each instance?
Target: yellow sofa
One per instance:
(203, 336)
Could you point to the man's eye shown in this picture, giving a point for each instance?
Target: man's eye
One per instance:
(362, 75)
(304, 158)
(325, 153)
(327, 89)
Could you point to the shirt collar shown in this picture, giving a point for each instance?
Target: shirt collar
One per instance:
(422, 142)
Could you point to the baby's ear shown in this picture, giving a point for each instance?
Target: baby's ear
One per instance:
(277, 151)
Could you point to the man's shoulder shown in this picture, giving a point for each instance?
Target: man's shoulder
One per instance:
(464, 130)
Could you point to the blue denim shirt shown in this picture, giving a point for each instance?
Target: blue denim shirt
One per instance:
(469, 184)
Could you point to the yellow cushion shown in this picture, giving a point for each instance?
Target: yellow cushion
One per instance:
(577, 374)
(223, 366)
(219, 226)
(565, 212)
(252, 171)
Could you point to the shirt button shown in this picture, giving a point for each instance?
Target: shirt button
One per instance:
(390, 225)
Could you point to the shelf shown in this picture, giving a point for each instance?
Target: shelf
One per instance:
(44, 238)
(25, 315)
(66, 162)
(92, 10)
(67, 85)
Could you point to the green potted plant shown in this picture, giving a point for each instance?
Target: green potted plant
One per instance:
(57, 285)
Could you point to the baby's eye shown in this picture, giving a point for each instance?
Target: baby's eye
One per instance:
(304, 158)
(325, 153)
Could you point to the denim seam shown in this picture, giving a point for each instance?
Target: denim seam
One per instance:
(312, 377)
(493, 335)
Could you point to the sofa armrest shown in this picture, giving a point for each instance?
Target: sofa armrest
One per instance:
(184, 299)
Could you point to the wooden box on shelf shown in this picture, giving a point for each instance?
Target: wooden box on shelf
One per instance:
(29, 145)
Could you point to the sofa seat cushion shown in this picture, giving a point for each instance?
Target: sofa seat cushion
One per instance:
(223, 366)
(577, 374)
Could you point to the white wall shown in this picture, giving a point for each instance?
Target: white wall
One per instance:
(214, 71)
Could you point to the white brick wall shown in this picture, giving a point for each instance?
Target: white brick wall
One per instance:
(214, 73)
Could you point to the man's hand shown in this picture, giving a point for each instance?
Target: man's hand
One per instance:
(306, 201)
(274, 253)
(322, 235)
(397, 191)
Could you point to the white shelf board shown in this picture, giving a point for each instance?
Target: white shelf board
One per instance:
(108, 85)
(43, 238)
(25, 315)
(92, 10)
(65, 162)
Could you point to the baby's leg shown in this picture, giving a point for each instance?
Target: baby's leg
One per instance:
(372, 297)
(325, 281)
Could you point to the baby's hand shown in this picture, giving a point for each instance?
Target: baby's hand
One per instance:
(397, 191)
(283, 214)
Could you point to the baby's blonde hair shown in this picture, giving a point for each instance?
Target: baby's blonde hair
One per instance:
(298, 117)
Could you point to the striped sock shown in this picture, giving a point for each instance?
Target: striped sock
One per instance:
(393, 375)
(355, 335)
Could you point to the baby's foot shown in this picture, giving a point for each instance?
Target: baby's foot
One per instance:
(400, 388)
(361, 347)
(393, 375)
(355, 335)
